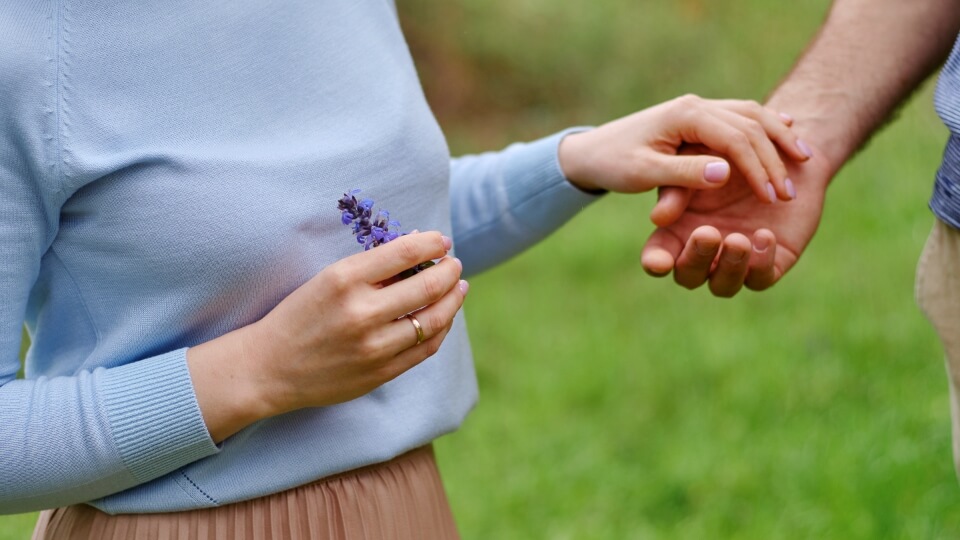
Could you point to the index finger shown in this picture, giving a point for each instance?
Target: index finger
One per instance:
(774, 124)
(387, 260)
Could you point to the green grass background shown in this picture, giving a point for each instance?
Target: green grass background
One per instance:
(615, 405)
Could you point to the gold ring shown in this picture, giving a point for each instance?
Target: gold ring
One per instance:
(416, 324)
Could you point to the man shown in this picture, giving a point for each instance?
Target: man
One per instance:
(867, 58)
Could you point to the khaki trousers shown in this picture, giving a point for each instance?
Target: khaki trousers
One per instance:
(938, 295)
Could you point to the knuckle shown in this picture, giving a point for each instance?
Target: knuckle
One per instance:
(739, 140)
(688, 102)
(754, 108)
(692, 169)
(388, 371)
(435, 322)
(432, 286)
(779, 170)
(407, 252)
(642, 161)
(337, 277)
(354, 314)
(755, 129)
(368, 349)
(438, 242)
(431, 347)
(690, 115)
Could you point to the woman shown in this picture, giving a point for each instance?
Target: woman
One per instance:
(211, 357)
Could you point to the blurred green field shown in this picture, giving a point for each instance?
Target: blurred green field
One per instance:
(618, 406)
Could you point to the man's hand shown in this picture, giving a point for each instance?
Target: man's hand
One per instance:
(730, 238)
(839, 93)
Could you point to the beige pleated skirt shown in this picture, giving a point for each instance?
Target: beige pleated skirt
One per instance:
(400, 499)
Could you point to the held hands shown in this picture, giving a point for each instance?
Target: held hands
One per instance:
(728, 238)
(639, 152)
(715, 217)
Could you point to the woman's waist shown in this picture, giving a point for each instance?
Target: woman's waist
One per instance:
(310, 444)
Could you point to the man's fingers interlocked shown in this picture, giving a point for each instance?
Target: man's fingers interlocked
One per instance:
(727, 278)
(696, 260)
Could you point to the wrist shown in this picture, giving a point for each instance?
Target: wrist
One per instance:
(266, 395)
(825, 124)
(232, 389)
(572, 156)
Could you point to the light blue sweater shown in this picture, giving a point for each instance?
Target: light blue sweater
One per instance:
(169, 171)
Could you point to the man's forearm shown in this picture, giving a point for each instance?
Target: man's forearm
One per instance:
(867, 58)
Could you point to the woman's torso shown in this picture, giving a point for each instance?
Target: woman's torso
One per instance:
(196, 151)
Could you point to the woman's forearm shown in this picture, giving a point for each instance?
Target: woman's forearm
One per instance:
(230, 393)
(66, 440)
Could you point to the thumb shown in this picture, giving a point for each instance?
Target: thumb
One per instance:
(660, 253)
(671, 202)
(697, 172)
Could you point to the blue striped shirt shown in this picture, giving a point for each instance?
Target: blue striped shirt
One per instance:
(945, 201)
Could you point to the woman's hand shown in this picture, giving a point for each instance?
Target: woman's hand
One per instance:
(336, 338)
(639, 152)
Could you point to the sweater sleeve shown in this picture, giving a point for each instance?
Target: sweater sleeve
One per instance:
(504, 202)
(72, 439)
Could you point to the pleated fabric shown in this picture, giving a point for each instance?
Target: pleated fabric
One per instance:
(397, 500)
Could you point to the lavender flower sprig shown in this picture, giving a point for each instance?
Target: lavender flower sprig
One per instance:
(372, 230)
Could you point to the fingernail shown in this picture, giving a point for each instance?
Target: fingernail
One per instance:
(786, 118)
(760, 244)
(771, 192)
(459, 263)
(716, 172)
(415, 231)
(447, 243)
(702, 249)
(804, 148)
(791, 190)
(464, 286)
(734, 257)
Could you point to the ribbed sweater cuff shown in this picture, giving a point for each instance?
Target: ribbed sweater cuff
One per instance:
(542, 197)
(154, 416)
